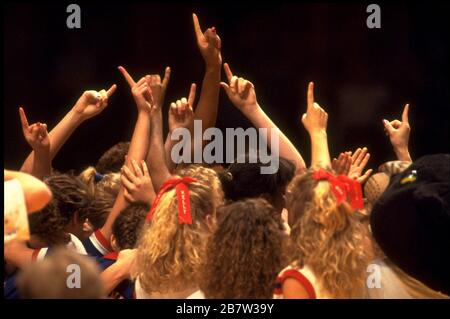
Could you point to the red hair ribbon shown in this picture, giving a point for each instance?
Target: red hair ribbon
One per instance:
(184, 203)
(343, 187)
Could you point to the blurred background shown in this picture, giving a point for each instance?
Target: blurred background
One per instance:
(362, 75)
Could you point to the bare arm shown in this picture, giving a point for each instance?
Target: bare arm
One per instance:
(315, 121)
(88, 105)
(138, 145)
(398, 132)
(209, 45)
(242, 94)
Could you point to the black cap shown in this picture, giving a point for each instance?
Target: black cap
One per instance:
(411, 221)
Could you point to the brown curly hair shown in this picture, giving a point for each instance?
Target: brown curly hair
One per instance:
(327, 237)
(48, 225)
(170, 254)
(127, 226)
(245, 253)
(113, 159)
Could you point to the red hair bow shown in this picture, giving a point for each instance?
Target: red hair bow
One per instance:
(184, 203)
(343, 187)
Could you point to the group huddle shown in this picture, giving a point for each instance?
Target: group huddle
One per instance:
(140, 224)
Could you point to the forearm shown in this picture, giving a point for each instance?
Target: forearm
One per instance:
(157, 163)
(286, 149)
(402, 154)
(168, 145)
(137, 151)
(320, 155)
(207, 106)
(58, 136)
(41, 164)
(16, 255)
(113, 276)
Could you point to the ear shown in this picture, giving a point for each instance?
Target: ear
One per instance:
(87, 226)
(114, 244)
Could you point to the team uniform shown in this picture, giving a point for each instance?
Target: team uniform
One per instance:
(9, 285)
(97, 245)
(304, 276)
(125, 290)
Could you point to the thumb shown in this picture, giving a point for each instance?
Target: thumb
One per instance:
(303, 118)
(225, 87)
(389, 128)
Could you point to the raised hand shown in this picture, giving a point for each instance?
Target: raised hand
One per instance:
(36, 134)
(341, 165)
(137, 183)
(141, 91)
(92, 102)
(398, 132)
(240, 92)
(181, 113)
(208, 43)
(158, 87)
(359, 160)
(315, 119)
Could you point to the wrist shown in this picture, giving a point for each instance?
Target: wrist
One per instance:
(318, 134)
(213, 67)
(75, 117)
(251, 110)
(402, 154)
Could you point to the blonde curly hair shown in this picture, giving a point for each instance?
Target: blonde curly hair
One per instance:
(170, 254)
(109, 184)
(327, 237)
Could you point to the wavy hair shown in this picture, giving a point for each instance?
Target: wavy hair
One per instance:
(109, 184)
(170, 254)
(245, 253)
(327, 237)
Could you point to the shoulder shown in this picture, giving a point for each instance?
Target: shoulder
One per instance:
(292, 283)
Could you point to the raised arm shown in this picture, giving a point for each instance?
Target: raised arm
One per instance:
(315, 122)
(209, 45)
(398, 132)
(91, 103)
(37, 137)
(242, 94)
(180, 116)
(139, 142)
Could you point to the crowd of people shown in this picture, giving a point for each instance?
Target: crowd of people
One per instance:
(137, 224)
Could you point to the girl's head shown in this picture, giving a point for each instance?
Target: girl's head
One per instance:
(170, 253)
(327, 236)
(72, 200)
(127, 226)
(245, 253)
(100, 183)
(47, 226)
(244, 180)
(113, 159)
(97, 212)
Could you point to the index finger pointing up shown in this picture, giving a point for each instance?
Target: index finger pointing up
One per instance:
(23, 118)
(127, 76)
(228, 72)
(405, 114)
(198, 30)
(111, 90)
(310, 95)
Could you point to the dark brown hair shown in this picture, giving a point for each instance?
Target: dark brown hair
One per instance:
(245, 253)
(128, 225)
